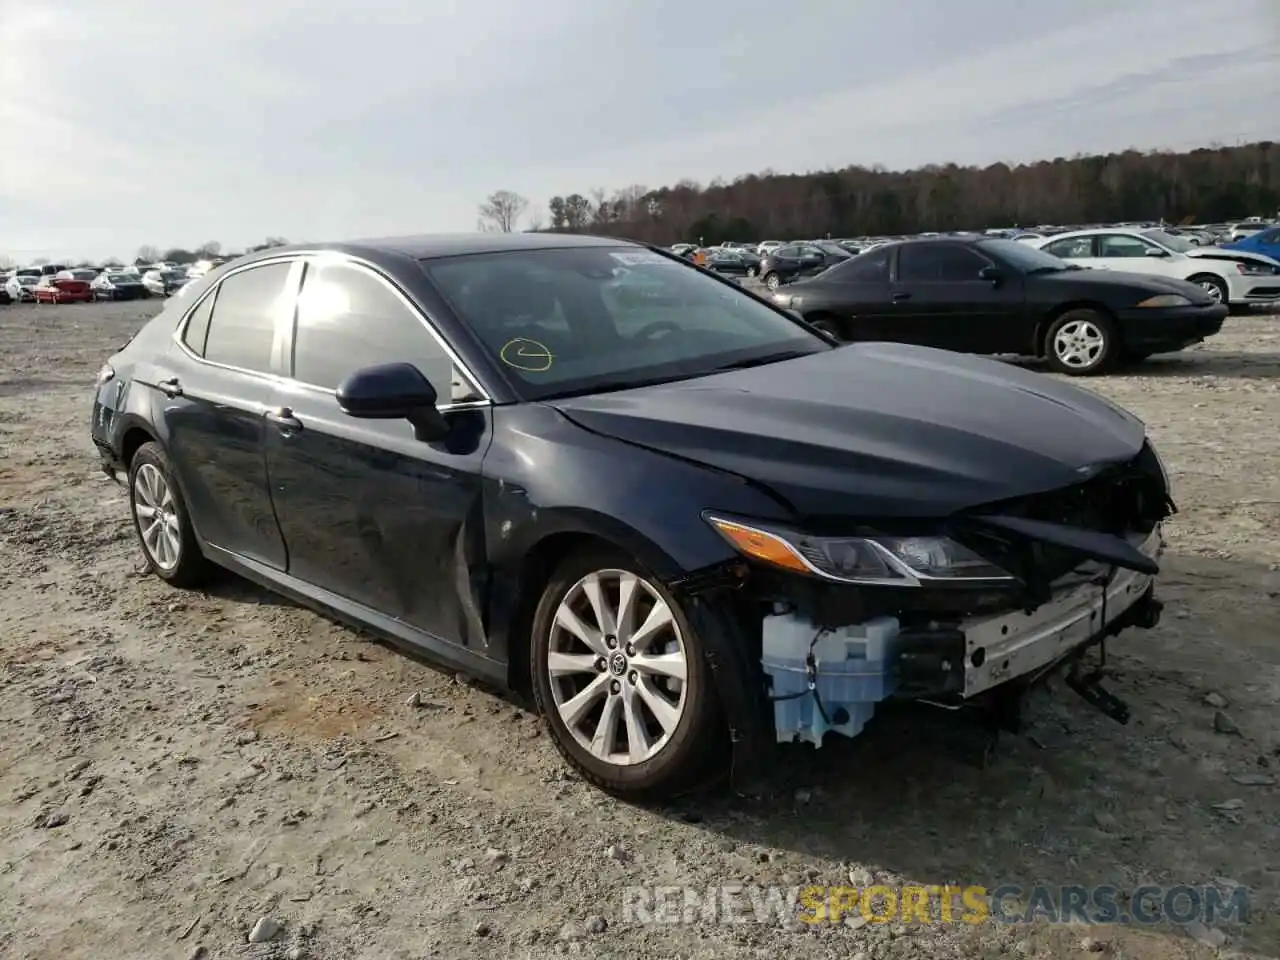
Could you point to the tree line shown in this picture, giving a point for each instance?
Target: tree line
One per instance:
(1207, 185)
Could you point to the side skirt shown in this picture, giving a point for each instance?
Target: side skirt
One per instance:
(358, 615)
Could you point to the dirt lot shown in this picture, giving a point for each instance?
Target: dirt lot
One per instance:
(176, 766)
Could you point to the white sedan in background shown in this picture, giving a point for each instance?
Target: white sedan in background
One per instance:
(1232, 277)
(22, 288)
(162, 283)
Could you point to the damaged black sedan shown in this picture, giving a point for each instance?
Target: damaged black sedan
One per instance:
(687, 523)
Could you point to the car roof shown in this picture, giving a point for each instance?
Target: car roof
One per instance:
(1111, 231)
(429, 246)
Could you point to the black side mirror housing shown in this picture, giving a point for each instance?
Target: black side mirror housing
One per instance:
(992, 275)
(394, 391)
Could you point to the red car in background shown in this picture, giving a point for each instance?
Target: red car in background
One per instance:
(69, 286)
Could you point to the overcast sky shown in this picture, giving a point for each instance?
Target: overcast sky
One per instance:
(140, 122)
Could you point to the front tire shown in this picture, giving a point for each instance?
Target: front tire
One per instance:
(621, 679)
(161, 521)
(772, 280)
(1213, 285)
(1082, 343)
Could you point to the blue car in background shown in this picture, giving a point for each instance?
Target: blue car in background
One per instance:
(1266, 242)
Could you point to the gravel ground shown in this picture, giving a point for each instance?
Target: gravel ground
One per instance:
(174, 767)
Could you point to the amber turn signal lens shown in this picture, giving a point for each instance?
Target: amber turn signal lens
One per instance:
(761, 545)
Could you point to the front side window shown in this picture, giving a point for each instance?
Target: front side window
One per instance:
(596, 318)
(348, 318)
(242, 328)
(869, 267)
(1122, 245)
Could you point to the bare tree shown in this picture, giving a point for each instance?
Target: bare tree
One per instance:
(6, 262)
(503, 210)
(148, 253)
(210, 248)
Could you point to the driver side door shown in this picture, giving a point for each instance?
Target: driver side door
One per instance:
(369, 514)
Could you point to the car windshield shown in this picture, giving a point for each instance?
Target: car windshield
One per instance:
(1177, 244)
(835, 248)
(1023, 256)
(586, 319)
(173, 274)
(121, 277)
(85, 275)
(28, 280)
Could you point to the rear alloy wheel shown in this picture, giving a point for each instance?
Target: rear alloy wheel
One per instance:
(160, 519)
(751, 272)
(620, 677)
(772, 281)
(1081, 343)
(1215, 287)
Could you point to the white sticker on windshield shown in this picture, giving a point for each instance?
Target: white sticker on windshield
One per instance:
(639, 257)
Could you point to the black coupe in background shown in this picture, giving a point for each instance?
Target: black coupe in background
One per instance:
(592, 470)
(999, 296)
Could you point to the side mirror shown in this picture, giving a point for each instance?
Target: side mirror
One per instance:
(992, 275)
(1157, 253)
(394, 391)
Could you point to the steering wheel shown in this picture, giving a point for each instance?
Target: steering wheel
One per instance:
(658, 327)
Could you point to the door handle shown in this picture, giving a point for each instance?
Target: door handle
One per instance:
(283, 418)
(171, 387)
(901, 296)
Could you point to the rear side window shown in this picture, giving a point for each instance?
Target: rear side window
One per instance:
(197, 330)
(348, 319)
(938, 263)
(869, 267)
(1072, 248)
(243, 326)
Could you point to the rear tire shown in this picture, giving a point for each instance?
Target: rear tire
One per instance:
(632, 707)
(1082, 343)
(161, 521)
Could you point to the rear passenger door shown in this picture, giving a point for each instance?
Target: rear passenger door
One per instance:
(370, 515)
(224, 372)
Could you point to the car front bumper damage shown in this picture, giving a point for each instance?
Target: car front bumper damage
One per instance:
(834, 681)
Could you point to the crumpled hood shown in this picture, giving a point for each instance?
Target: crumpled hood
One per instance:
(1229, 253)
(876, 429)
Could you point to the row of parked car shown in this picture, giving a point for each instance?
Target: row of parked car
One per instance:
(1240, 273)
(56, 283)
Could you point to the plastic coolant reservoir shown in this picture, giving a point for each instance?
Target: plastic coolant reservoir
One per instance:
(854, 671)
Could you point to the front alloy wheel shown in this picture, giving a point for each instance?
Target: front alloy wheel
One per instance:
(619, 677)
(772, 281)
(1082, 342)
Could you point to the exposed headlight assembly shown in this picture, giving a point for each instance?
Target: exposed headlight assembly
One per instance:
(1166, 300)
(872, 560)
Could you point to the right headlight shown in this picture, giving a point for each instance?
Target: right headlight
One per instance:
(870, 560)
(1166, 300)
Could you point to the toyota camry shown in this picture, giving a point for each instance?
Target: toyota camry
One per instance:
(688, 523)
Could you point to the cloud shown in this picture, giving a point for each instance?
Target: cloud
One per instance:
(172, 124)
